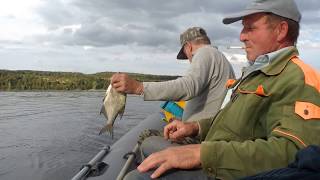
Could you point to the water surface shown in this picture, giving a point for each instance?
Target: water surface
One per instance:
(49, 135)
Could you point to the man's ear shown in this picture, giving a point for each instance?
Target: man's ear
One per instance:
(283, 29)
(189, 46)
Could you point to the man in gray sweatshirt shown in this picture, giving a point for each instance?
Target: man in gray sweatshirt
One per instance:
(203, 86)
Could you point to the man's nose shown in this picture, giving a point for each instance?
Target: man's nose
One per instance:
(243, 35)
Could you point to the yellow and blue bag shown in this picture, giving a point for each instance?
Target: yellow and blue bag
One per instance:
(172, 109)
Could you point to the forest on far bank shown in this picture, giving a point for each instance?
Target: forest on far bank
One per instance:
(21, 80)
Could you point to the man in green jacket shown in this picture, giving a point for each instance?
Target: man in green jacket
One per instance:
(274, 109)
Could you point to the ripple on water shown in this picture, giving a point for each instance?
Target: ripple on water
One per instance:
(49, 135)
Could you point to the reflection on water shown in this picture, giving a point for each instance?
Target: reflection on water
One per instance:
(49, 135)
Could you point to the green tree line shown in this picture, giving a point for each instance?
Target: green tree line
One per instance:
(44, 80)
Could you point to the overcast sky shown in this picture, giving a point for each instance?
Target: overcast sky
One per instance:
(125, 35)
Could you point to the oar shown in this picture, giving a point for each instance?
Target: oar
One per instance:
(86, 168)
(126, 166)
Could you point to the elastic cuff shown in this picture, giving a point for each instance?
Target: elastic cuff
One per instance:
(204, 125)
(208, 158)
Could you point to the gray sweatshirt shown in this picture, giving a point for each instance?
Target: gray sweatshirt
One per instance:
(203, 86)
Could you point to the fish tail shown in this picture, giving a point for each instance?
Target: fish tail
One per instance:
(108, 128)
(102, 110)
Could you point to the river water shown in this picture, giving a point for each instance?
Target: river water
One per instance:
(49, 135)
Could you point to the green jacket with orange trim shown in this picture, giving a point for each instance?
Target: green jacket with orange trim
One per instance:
(272, 114)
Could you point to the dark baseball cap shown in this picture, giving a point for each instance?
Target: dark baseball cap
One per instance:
(283, 8)
(190, 34)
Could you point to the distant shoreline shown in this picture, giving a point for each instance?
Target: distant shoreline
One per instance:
(28, 80)
(51, 90)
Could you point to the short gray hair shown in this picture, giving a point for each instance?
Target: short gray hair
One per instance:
(293, 26)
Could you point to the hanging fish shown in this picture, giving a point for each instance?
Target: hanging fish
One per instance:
(113, 105)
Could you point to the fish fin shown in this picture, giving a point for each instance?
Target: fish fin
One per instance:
(104, 97)
(103, 111)
(121, 112)
(108, 128)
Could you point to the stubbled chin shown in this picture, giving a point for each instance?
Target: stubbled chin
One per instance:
(250, 58)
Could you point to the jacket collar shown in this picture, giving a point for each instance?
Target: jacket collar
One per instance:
(280, 61)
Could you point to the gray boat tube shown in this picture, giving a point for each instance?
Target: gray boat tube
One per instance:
(117, 164)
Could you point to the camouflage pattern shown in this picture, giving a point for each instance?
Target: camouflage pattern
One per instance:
(190, 34)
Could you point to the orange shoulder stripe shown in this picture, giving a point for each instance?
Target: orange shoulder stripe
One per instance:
(311, 76)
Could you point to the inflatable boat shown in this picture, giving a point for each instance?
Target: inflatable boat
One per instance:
(114, 162)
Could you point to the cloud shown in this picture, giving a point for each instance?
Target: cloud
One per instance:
(146, 23)
(125, 35)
